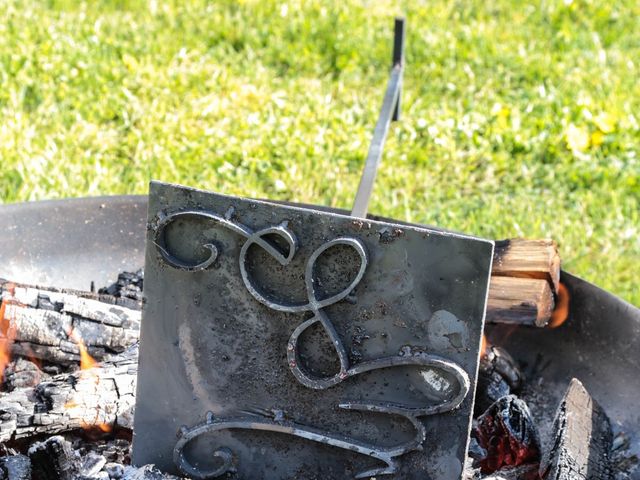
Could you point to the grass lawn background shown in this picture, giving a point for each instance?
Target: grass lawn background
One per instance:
(521, 119)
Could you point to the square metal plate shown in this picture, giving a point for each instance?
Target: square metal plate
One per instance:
(287, 343)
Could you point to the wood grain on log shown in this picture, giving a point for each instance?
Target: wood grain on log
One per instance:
(103, 397)
(582, 439)
(523, 258)
(522, 301)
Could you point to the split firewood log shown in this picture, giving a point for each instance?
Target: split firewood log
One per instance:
(525, 282)
(101, 397)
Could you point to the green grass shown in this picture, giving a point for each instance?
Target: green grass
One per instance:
(520, 118)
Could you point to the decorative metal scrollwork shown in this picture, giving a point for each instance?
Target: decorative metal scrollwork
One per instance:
(315, 306)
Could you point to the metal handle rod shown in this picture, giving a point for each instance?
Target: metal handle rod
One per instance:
(390, 111)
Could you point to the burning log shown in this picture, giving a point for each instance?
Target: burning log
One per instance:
(37, 323)
(520, 301)
(101, 397)
(525, 279)
(582, 441)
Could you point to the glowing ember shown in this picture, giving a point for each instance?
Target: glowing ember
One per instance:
(507, 434)
(561, 312)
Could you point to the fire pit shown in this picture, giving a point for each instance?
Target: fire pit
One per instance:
(597, 344)
(290, 420)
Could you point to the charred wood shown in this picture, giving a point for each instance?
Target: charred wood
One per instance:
(21, 373)
(38, 323)
(54, 459)
(507, 434)
(582, 442)
(498, 376)
(523, 258)
(121, 301)
(520, 301)
(15, 467)
(128, 288)
(148, 472)
(103, 397)
(523, 472)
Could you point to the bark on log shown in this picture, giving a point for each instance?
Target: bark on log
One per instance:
(103, 397)
(38, 323)
(582, 441)
(520, 301)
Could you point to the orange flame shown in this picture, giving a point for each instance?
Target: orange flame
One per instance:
(7, 332)
(87, 364)
(561, 312)
(484, 344)
(105, 427)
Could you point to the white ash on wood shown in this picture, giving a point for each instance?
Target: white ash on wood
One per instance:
(39, 323)
(62, 458)
(102, 396)
(15, 467)
(582, 441)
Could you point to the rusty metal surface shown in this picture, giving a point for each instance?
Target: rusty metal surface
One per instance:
(281, 342)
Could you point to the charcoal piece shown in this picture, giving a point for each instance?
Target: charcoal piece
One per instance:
(582, 440)
(114, 470)
(148, 472)
(528, 471)
(54, 459)
(128, 287)
(92, 463)
(507, 432)
(498, 376)
(15, 467)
